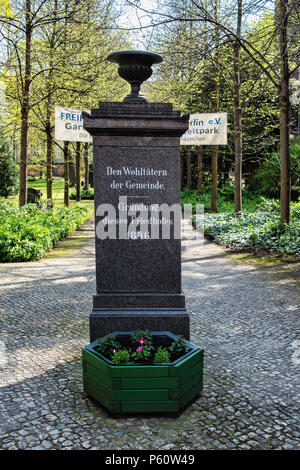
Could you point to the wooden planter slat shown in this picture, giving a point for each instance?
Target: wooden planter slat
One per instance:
(112, 382)
(105, 391)
(128, 395)
(102, 366)
(149, 406)
(95, 392)
(146, 383)
(178, 369)
(139, 371)
(186, 377)
(190, 395)
(191, 384)
(141, 395)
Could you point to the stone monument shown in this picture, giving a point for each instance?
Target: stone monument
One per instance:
(136, 169)
(33, 195)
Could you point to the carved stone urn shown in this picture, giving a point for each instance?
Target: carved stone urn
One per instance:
(135, 68)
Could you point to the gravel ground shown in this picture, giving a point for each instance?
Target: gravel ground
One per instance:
(245, 317)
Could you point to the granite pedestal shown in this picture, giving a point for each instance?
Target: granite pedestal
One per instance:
(136, 157)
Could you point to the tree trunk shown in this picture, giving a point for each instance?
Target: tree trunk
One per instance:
(66, 173)
(214, 179)
(189, 169)
(284, 105)
(25, 107)
(72, 172)
(200, 170)
(238, 118)
(49, 154)
(78, 188)
(215, 148)
(49, 108)
(86, 165)
(23, 157)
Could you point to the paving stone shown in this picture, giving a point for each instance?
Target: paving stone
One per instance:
(245, 318)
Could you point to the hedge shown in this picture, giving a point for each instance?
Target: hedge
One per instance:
(261, 230)
(26, 233)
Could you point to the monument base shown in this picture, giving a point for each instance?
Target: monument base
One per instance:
(102, 321)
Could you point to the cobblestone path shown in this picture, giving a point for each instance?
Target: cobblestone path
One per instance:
(245, 317)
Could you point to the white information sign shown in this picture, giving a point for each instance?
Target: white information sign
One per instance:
(69, 126)
(206, 129)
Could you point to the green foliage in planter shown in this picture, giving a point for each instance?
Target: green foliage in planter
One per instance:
(108, 346)
(121, 357)
(142, 343)
(116, 347)
(142, 353)
(137, 336)
(26, 233)
(84, 194)
(161, 356)
(178, 348)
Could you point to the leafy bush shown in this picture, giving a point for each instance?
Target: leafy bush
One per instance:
(269, 205)
(266, 180)
(225, 198)
(26, 233)
(108, 345)
(261, 230)
(178, 347)
(161, 356)
(85, 194)
(8, 169)
(33, 178)
(121, 357)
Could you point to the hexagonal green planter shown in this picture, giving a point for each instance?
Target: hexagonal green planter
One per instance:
(143, 388)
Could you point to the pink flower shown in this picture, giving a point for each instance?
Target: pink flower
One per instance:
(139, 349)
(142, 341)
